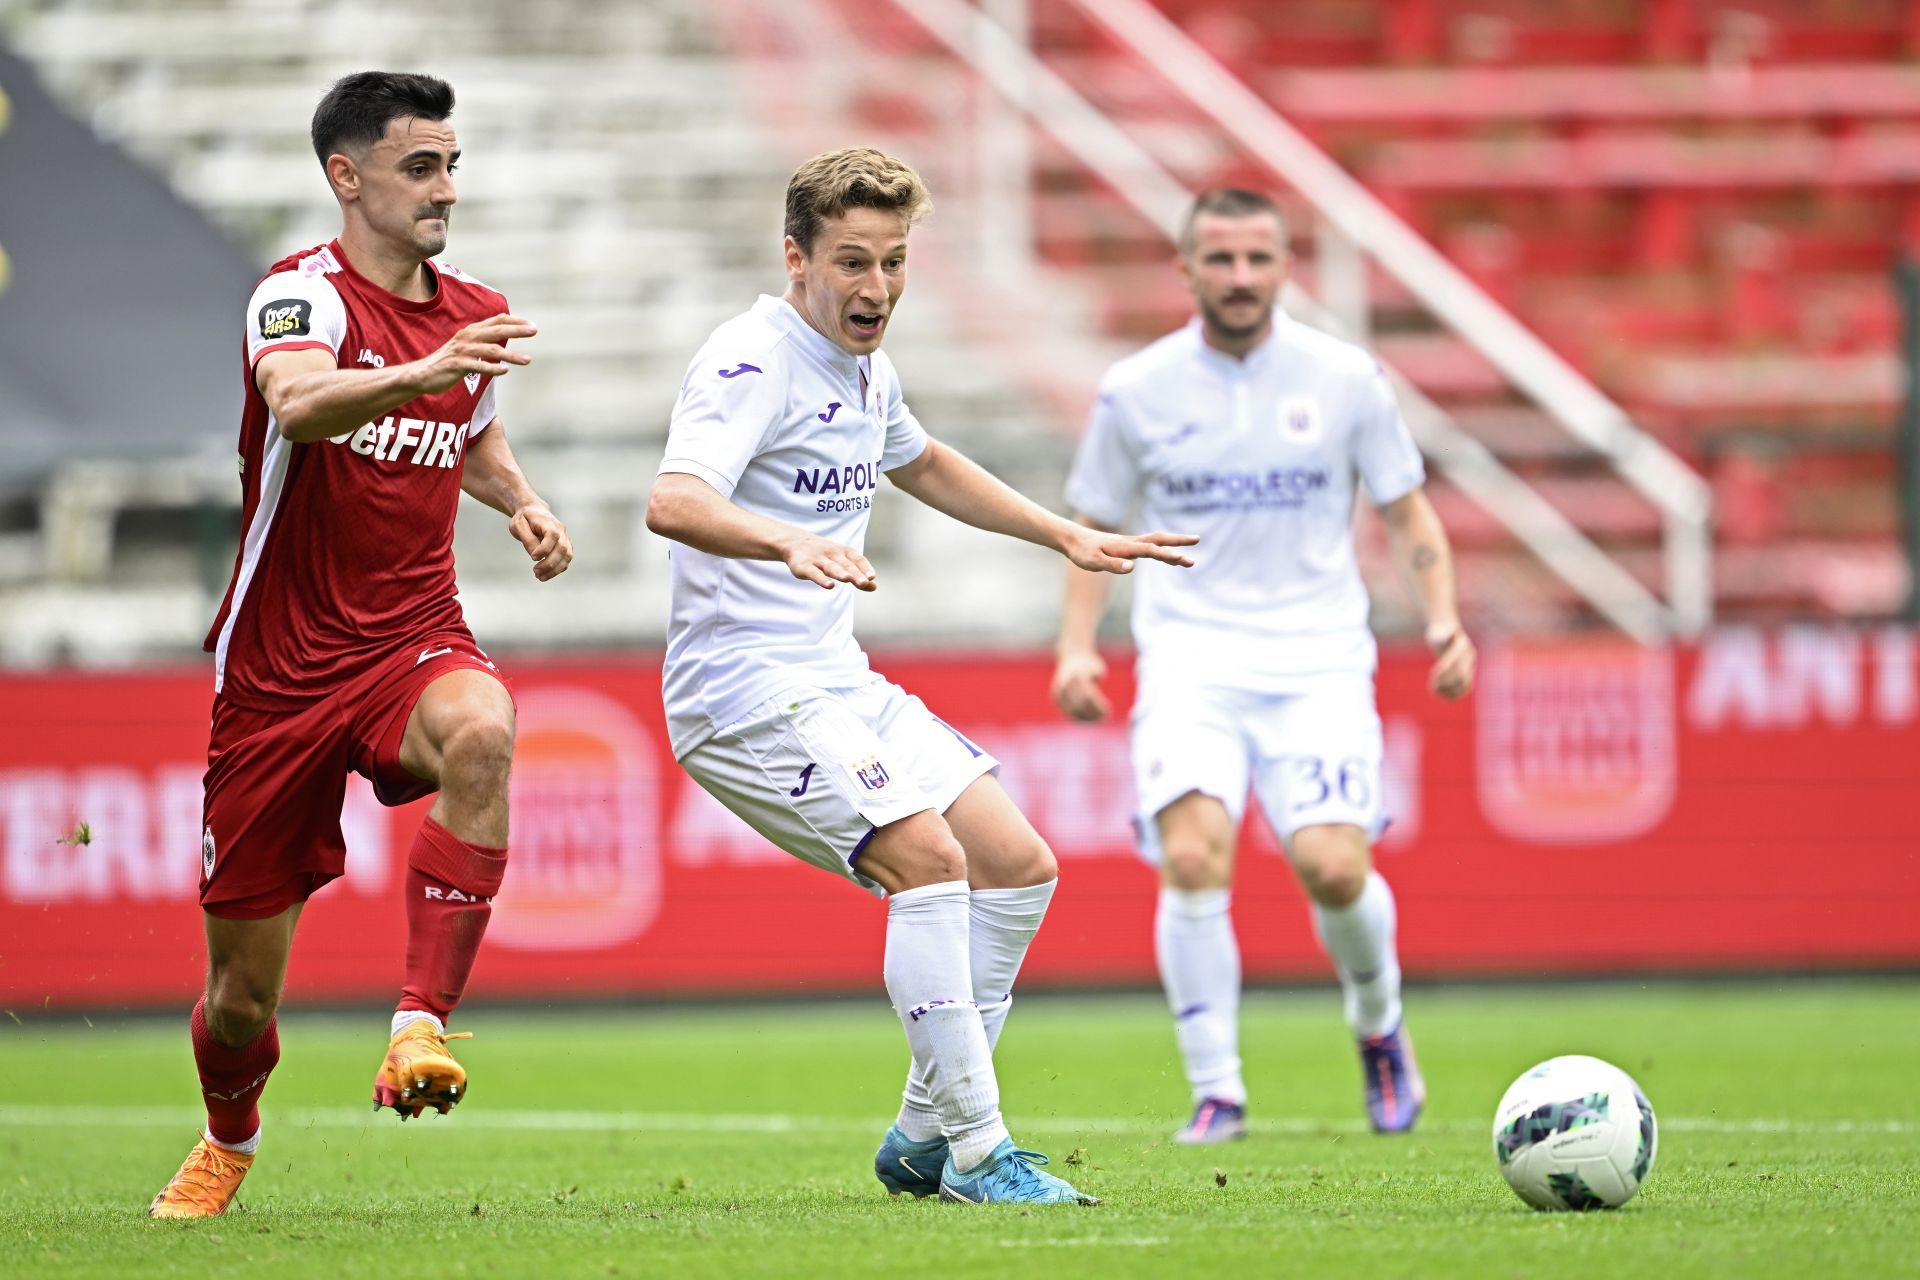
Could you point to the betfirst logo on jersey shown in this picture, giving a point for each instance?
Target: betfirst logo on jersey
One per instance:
(1577, 741)
(414, 440)
(586, 807)
(286, 318)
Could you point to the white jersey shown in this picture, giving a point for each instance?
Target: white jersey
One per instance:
(1260, 458)
(772, 415)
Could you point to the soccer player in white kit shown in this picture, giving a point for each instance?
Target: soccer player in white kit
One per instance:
(786, 420)
(1256, 667)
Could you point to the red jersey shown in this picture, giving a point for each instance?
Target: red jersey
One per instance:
(347, 552)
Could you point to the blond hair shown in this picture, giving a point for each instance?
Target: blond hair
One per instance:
(858, 178)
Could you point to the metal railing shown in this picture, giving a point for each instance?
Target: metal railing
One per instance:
(1369, 228)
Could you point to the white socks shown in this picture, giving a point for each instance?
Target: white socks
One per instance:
(1200, 968)
(929, 978)
(247, 1148)
(1001, 925)
(406, 1017)
(1359, 938)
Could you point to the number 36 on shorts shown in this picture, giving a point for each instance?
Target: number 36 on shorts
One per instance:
(1350, 784)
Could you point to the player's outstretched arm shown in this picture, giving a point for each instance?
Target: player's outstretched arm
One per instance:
(1425, 560)
(952, 483)
(688, 510)
(1078, 667)
(313, 399)
(490, 474)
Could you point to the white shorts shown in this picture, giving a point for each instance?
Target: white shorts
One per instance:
(817, 771)
(1311, 757)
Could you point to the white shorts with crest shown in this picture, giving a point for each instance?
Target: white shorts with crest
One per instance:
(817, 771)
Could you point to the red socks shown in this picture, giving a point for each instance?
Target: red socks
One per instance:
(450, 888)
(233, 1079)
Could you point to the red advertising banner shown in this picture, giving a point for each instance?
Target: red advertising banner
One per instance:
(1750, 802)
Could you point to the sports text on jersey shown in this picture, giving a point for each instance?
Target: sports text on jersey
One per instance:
(432, 444)
(1198, 491)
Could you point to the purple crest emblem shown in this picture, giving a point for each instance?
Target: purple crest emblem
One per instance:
(872, 774)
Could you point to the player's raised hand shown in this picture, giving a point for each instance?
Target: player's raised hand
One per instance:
(1076, 686)
(1454, 658)
(545, 538)
(481, 347)
(1103, 552)
(820, 561)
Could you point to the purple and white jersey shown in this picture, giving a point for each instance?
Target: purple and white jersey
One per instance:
(1261, 458)
(771, 414)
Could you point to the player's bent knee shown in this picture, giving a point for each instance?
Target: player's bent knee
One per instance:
(915, 857)
(1025, 864)
(481, 749)
(1334, 879)
(1193, 864)
(237, 1010)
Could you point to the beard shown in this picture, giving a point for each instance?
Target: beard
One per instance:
(1218, 322)
(432, 242)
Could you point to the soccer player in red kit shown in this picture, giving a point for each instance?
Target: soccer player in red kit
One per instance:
(340, 645)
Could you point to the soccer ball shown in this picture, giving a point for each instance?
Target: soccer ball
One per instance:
(1575, 1133)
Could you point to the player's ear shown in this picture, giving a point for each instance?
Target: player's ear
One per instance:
(344, 176)
(796, 260)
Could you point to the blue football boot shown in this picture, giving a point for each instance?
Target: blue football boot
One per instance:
(1214, 1120)
(1009, 1176)
(1395, 1091)
(906, 1167)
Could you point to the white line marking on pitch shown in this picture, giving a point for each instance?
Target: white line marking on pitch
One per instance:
(134, 1117)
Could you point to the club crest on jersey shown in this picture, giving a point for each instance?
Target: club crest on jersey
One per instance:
(1300, 420)
(206, 855)
(287, 318)
(871, 773)
(473, 384)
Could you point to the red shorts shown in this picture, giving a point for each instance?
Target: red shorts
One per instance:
(276, 779)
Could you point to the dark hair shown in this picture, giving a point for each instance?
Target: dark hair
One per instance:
(858, 178)
(357, 110)
(1230, 202)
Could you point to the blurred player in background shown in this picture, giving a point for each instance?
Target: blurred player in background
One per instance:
(1257, 666)
(340, 646)
(785, 423)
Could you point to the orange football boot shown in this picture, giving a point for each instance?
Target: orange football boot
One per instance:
(205, 1185)
(420, 1072)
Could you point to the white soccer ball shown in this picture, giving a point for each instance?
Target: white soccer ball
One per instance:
(1575, 1133)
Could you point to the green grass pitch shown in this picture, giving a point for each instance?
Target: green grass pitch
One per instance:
(737, 1141)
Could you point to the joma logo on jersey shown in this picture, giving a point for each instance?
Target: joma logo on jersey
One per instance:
(427, 444)
(857, 478)
(287, 318)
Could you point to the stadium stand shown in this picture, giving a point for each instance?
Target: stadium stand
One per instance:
(613, 190)
(1696, 205)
